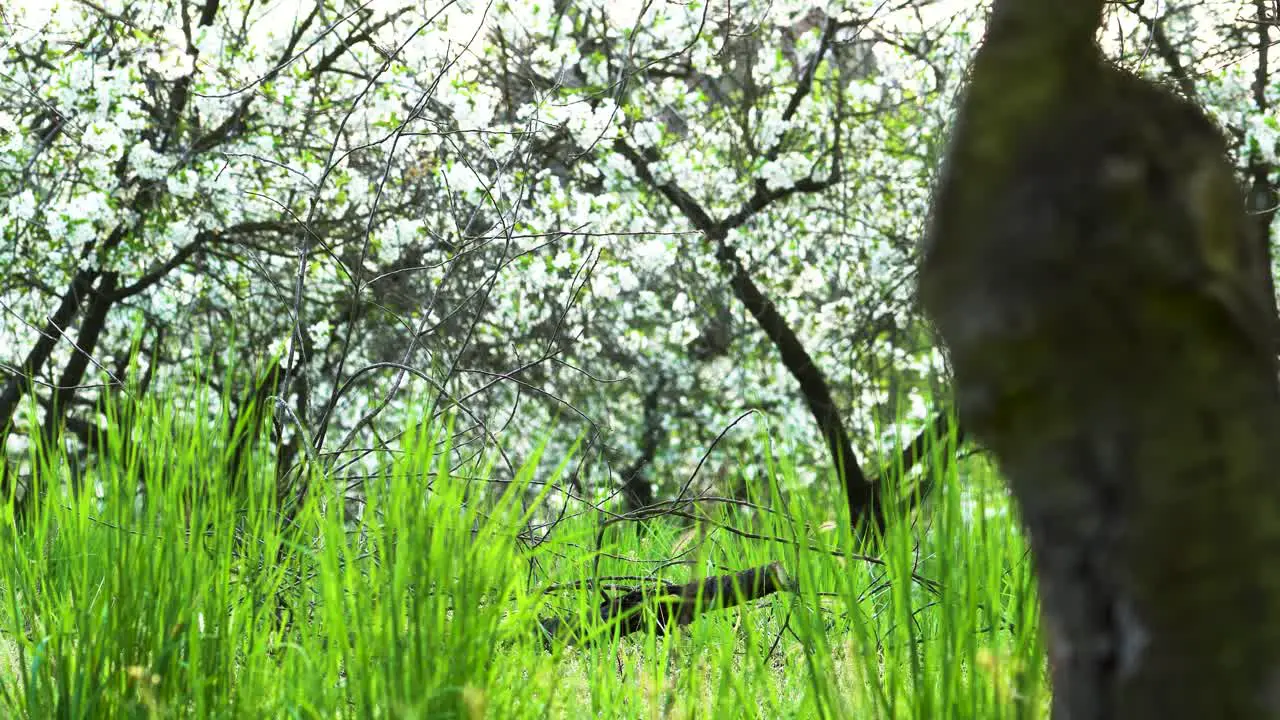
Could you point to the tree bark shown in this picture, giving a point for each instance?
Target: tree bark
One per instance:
(95, 319)
(253, 409)
(637, 489)
(863, 496)
(1107, 308)
(40, 352)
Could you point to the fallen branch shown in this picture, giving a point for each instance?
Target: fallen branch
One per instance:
(668, 604)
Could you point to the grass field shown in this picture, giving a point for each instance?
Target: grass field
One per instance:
(196, 601)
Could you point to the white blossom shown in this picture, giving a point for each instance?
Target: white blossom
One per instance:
(23, 205)
(1263, 131)
(55, 224)
(593, 125)
(654, 254)
(180, 232)
(80, 233)
(146, 162)
(647, 133)
(171, 63)
(783, 172)
(104, 137)
(182, 183)
(775, 175)
(769, 127)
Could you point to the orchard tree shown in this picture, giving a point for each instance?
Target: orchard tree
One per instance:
(471, 206)
(630, 222)
(786, 177)
(202, 181)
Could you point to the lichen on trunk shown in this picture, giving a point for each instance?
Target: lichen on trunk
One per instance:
(1093, 273)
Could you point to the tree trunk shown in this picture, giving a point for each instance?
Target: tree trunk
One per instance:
(86, 344)
(866, 511)
(637, 488)
(253, 409)
(1106, 305)
(864, 498)
(50, 334)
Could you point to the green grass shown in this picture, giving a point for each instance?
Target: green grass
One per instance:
(201, 602)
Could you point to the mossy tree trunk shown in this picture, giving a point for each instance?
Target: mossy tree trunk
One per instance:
(1099, 285)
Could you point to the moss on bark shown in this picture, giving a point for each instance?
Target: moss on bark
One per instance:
(1096, 279)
